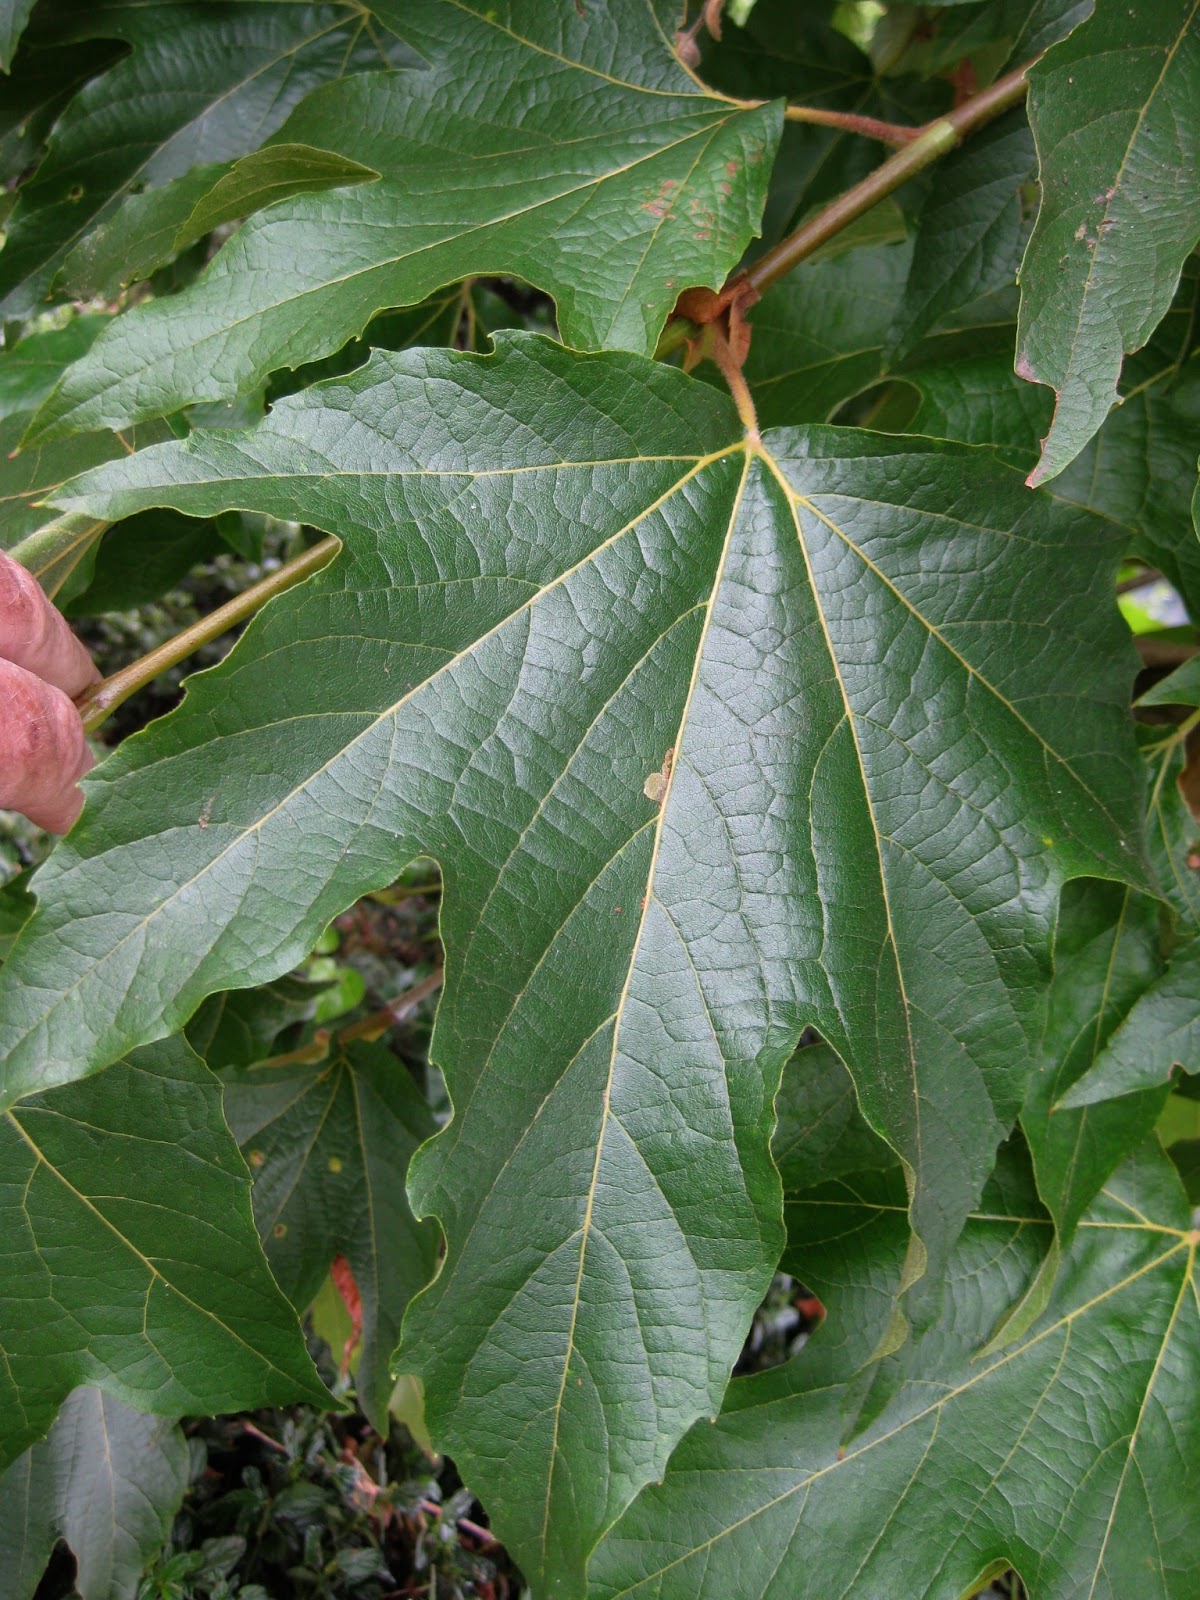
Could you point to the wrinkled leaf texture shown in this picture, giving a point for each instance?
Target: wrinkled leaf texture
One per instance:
(567, 148)
(1071, 1456)
(561, 575)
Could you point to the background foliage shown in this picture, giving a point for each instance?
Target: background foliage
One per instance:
(720, 701)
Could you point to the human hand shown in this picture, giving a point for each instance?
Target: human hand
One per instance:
(43, 752)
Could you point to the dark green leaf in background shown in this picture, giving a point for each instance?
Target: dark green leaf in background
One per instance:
(820, 1132)
(108, 1481)
(569, 149)
(201, 83)
(1120, 205)
(14, 14)
(1053, 1457)
(130, 1256)
(329, 1147)
(969, 232)
(239, 1027)
(1106, 955)
(819, 335)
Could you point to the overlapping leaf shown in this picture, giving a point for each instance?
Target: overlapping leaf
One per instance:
(108, 1481)
(1054, 1456)
(1160, 1034)
(1138, 473)
(149, 228)
(56, 549)
(329, 1146)
(1106, 955)
(797, 53)
(200, 84)
(238, 1028)
(130, 1260)
(563, 577)
(1120, 203)
(567, 148)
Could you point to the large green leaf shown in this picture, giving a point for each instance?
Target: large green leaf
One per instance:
(567, 148)
(329, 1146)
(108, 1480)
(131, 1261)
(700, 733)
(201, 83)
(1071, 1456)
(1120, 205)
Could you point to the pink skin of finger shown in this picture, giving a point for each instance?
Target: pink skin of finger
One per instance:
(43, 752)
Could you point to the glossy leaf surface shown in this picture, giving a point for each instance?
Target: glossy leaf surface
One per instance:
(131, 1262)
(1052, 1457)
(578, 581)
(569, 149)
(1120, 202)
(329, 1146)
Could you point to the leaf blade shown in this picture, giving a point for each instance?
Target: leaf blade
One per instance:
(1119, 199)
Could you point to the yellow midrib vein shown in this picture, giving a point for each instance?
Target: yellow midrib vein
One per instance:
(622, 1000)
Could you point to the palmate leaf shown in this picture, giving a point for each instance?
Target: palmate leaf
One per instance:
(329, 1146)
(567, 148)
(701, 734)
(1071, 1456)
(108, 1481)
(1120, 202)
(130, 1258)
